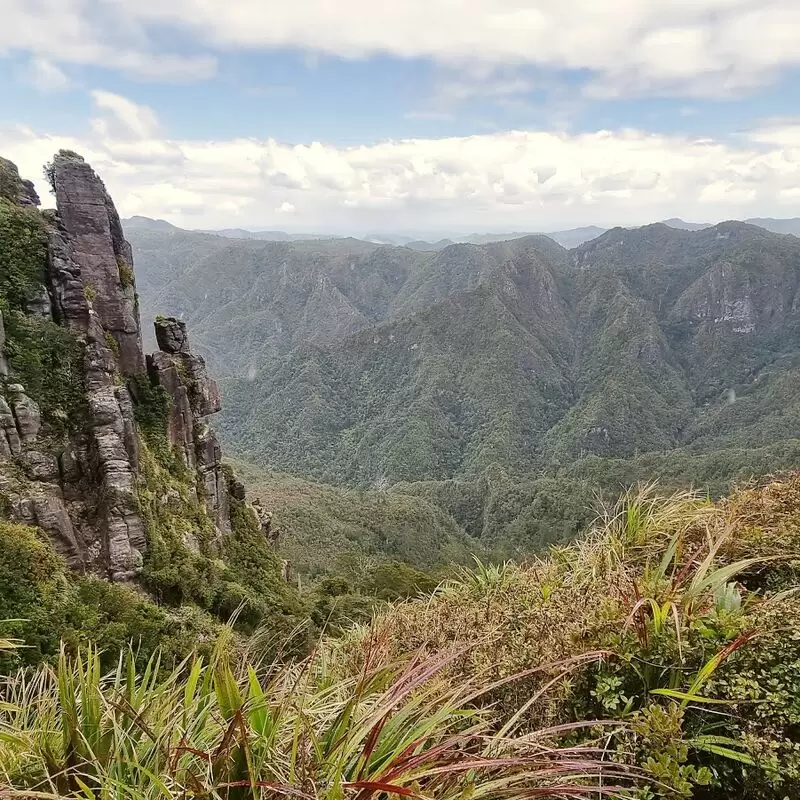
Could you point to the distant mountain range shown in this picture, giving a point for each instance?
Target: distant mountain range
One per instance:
(574, 237)
(645, 352)
(146, 223)
(568, 238)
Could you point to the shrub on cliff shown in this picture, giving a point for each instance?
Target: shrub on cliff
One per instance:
(46, 358)
(44, 604)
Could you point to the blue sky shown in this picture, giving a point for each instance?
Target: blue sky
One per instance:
(436, 115)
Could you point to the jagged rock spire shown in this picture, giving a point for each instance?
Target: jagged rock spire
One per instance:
(194, 397)
(102, 254)
(82, 489)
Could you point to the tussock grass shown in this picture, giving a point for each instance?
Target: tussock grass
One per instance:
(213, 729)
(657, 658)
(695, 608)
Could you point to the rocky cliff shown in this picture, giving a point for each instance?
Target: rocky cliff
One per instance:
(86, 421)
(194, 397)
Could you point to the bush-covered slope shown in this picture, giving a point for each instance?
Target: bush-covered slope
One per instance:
(676, 617)
(248, 301)
(321, 528)
(656, 659)
(649, 340)
(450, 390)
(652, 352)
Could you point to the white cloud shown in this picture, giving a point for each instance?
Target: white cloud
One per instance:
(504, 180)
(458, 91)
(780, 132)
(100, 33)
(45, 75)
(701, 48)
(137, 121)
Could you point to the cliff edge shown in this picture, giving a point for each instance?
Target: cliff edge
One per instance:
(107, 451)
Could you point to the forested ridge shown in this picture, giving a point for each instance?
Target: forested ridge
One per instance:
(508, 382)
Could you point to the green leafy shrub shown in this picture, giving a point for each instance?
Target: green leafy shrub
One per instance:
(49, 604)
(111, 343)
(126, 276)
(234, 576)
(45, 357)
(151, 408)
(29, 572)
(255, 566)
(48, 360)
(23, 254)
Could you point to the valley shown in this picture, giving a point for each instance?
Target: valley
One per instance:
(509, 383)
(333, 595)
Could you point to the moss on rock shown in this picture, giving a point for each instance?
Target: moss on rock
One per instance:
(49, 604)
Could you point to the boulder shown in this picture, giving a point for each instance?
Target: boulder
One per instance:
(171, 335)
(71, 303)
(51, 515)
(163, 372)
(39, 304)
(209, 466)
(173, 341)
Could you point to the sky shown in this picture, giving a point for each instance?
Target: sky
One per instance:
(357, 116)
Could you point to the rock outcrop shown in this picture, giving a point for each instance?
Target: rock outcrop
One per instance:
(101, 253)
(14, 188)
(194, 397)
(80, 483)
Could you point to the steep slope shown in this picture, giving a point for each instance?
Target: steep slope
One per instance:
(644, 352)
(248, 300)
(462, 267)
(521, 355)
(463, 383)
(718, 324)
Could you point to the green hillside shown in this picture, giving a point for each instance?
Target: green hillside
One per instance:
(643, 341)
(657, 658)
(319, 528)
(652, 353)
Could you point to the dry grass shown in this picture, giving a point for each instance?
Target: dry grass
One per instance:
(650, 560)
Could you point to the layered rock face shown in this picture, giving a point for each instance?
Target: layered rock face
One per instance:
(101, 253)
(194, 397)
(80, 483)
